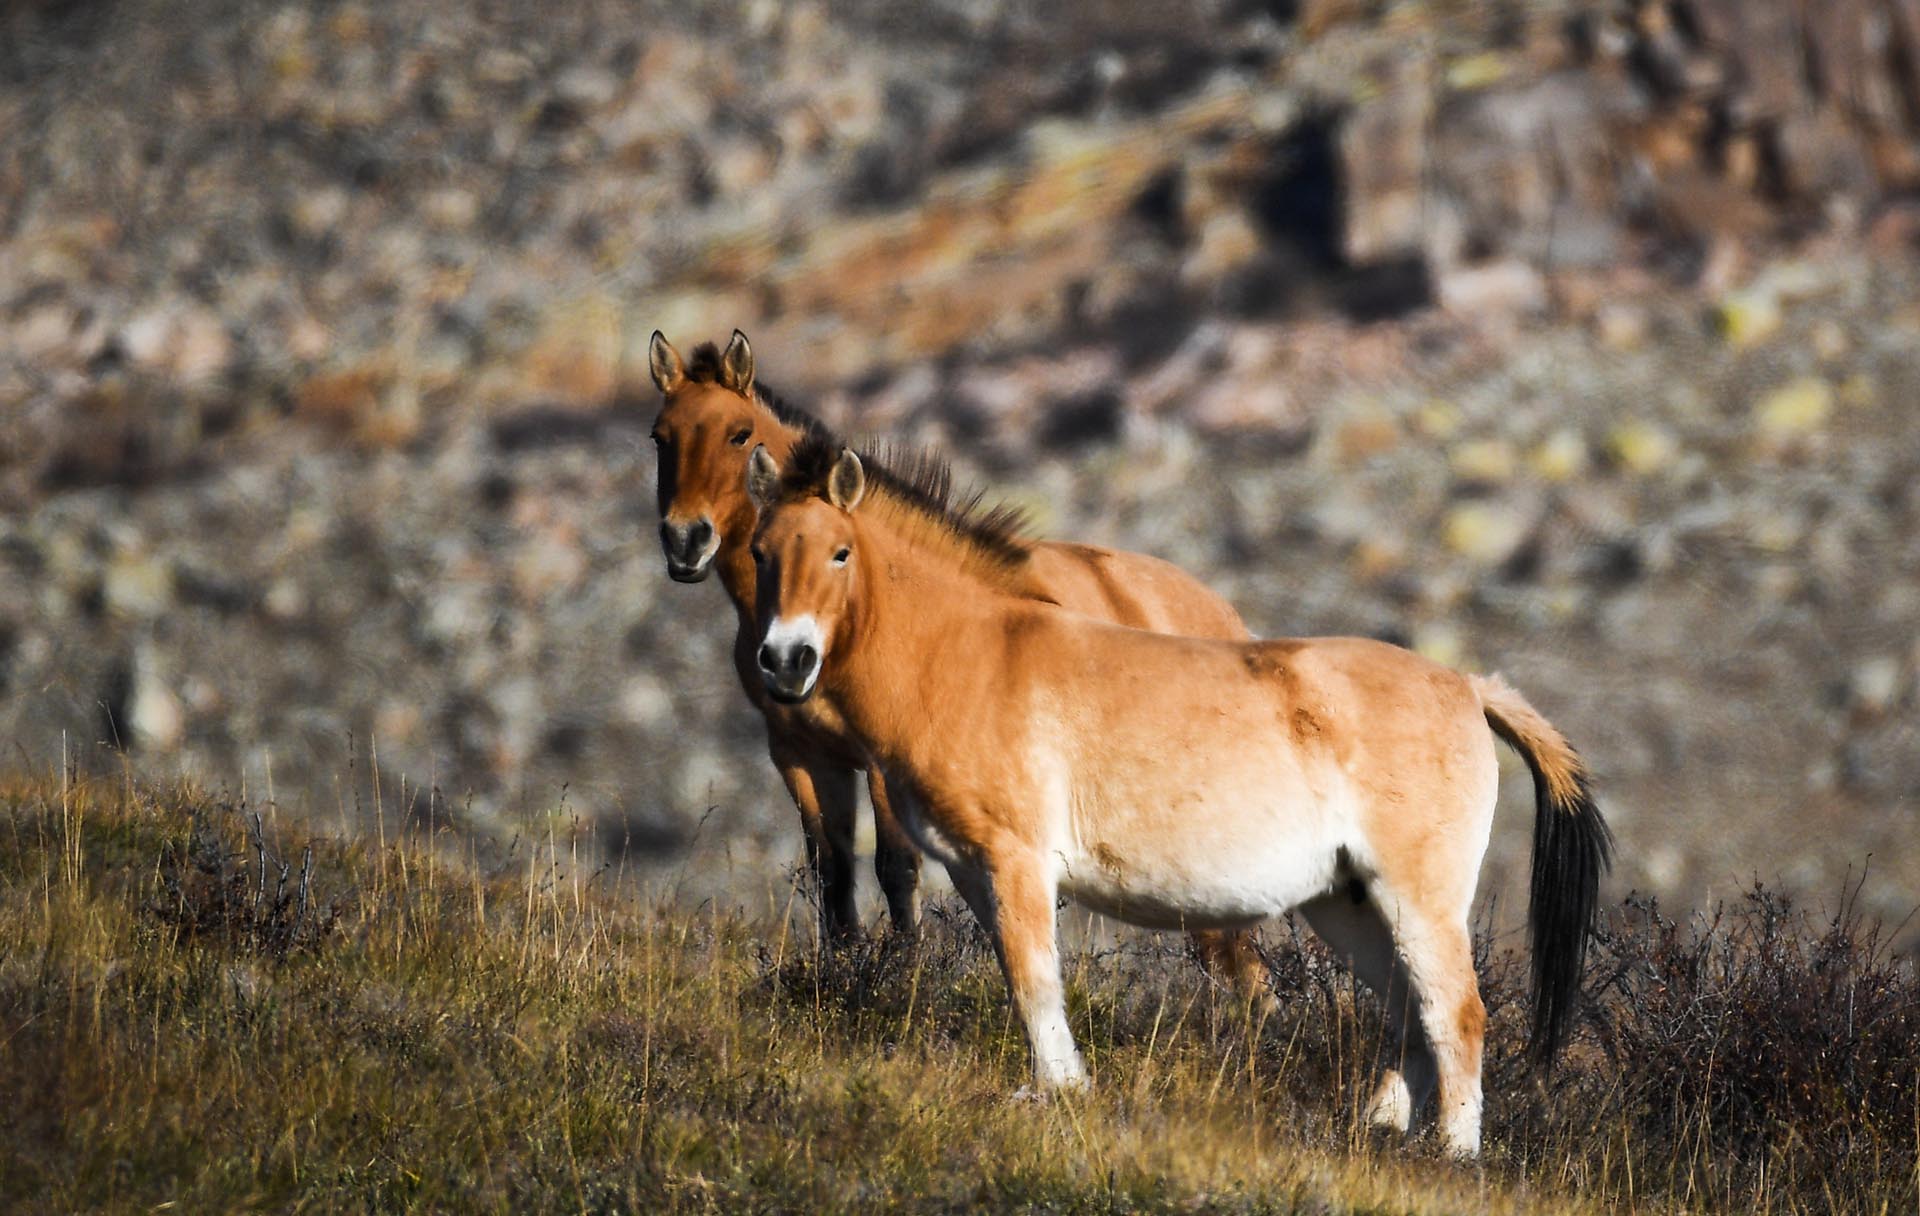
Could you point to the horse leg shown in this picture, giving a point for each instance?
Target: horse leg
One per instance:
(1229, 954)
(977, 890)
(896, 862)
(1355, 931)
(1022, 910)
(825, 794)
(1436, 949)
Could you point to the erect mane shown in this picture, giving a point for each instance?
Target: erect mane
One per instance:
(703, 367)
(917, 480)
(921, 483)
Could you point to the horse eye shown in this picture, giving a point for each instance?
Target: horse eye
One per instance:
(740, 440)
(840, 558)
(659, 440)
(757, 555)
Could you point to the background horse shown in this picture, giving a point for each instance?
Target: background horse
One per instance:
(713, 413)
(1169, 781)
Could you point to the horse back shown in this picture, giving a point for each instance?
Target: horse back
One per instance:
(1131, 589)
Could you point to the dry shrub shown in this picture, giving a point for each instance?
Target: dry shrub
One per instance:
(1759, 1057)
(243, 895)
(1765, 1039)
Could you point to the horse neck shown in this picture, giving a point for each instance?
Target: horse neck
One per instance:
(735, 559)
(737, 576)
(915, 607)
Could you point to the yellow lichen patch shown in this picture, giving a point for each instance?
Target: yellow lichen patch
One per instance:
(1484, 460)
(1438, 419)
(1793, 409)
(1642, 447)
(1561, 456)
(1478, 71)
(1748, 318)
(1485, 533)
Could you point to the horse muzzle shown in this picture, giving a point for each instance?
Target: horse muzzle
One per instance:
(689, 549)
(790, 658)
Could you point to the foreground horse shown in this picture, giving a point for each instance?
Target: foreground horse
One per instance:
(712, 415)
(1166, 781)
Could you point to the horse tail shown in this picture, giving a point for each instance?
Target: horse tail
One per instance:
(1572, 848)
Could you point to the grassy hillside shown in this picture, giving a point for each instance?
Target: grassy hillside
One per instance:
(196, 1009)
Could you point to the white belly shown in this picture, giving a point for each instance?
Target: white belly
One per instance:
(1219, 875)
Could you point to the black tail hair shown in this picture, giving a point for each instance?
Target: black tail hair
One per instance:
(1572, 848)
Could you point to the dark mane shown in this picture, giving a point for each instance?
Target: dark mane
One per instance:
(788, 413)
(920, 481)
(703, 367)
(916, 479)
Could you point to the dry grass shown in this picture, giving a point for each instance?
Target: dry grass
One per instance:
(419, 1030)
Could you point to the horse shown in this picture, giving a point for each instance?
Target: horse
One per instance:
(713, 409)
(1171, 782)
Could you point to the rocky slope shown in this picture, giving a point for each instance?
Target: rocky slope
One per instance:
(1574, 340)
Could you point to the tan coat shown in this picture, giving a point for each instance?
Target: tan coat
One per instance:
(1173, 782)
(711, 416)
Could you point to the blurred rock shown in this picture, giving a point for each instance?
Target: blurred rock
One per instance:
(1494, 289)
(1858, 390)
(1486, 533)
(138, 586)
(1749, 318)
(317, 213)
(1484, 461)
(1792, 410)
(1438, 419)
(179, 340)
(1362, 436)
(341, 399)
(57, 334)
(1620, 326)
(586, 87)
(1829, 340)
(1777, 531)
(578, 353)
(1875, 684)
(1228, 240)
(155, 720)
(1383, 163)
(284, 600)
(1256, 404)
(1440, 642)
(1642, 447)
(451, 208)
(646, 703)
(281, 323)
(1561, 456)
(396, 722)
(547, 564)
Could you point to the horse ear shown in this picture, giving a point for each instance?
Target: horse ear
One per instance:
(664, 361)
(763, 476)
(736, 365)
(847, 484)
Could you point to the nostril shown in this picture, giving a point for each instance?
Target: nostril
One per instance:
(769, 661)
(666, 536)
(806, 658)
(699, 534)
